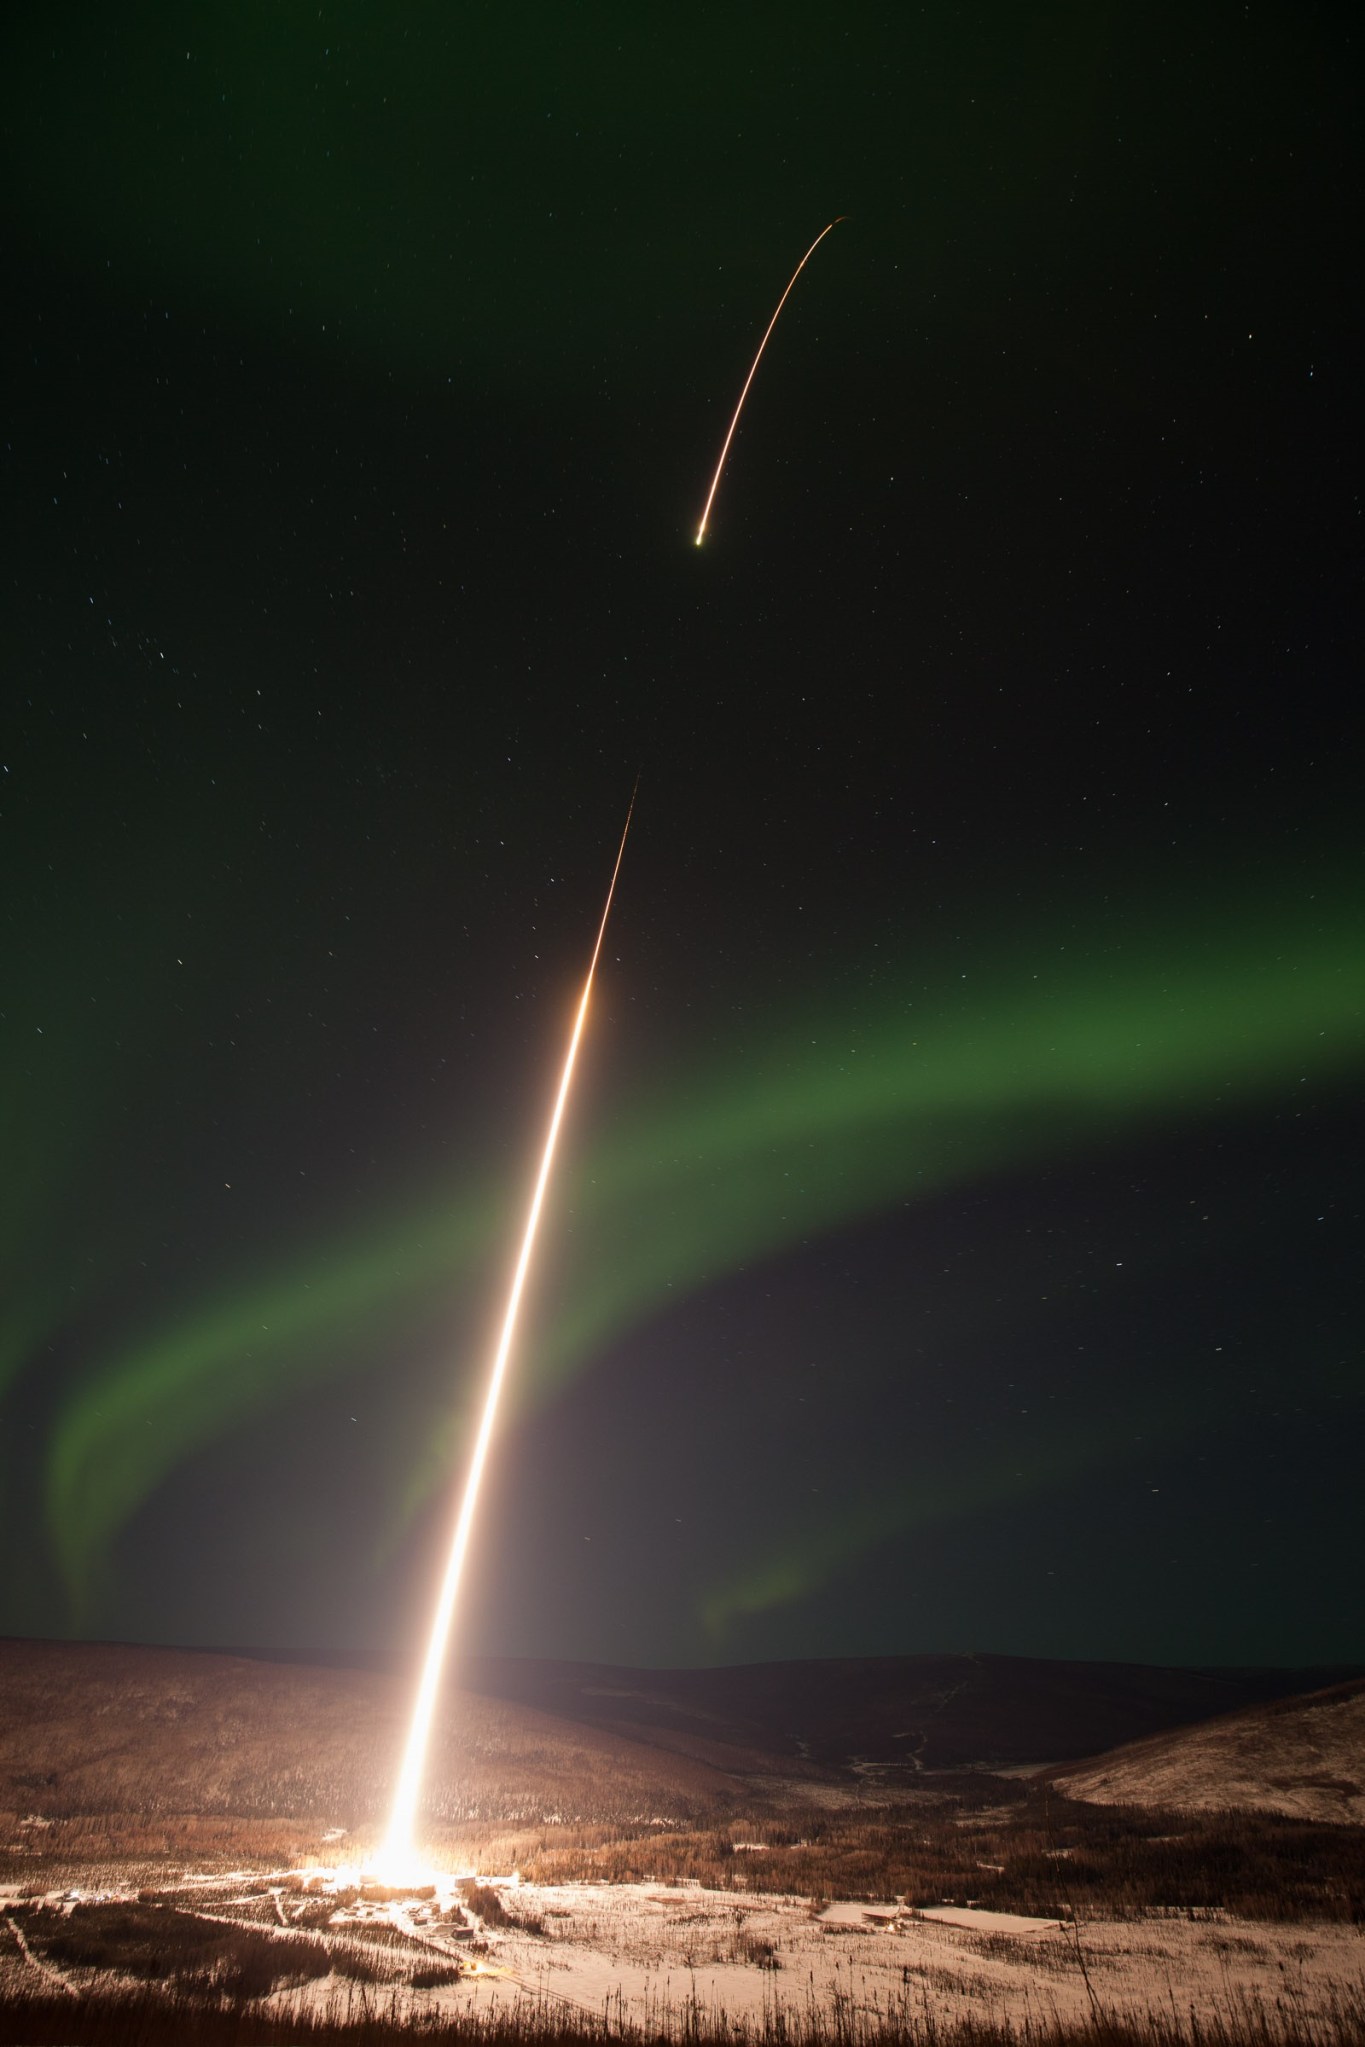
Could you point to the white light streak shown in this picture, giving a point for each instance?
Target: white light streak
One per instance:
(399, 1854)
(715, 480)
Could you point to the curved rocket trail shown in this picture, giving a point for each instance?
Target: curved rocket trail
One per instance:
(399, 1851)
(715, 480)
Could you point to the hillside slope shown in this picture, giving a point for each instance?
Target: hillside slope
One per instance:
(1304, 1757)
(916, 1712)
(109, 1728)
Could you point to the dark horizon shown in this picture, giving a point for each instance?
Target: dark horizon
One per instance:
(397, 1661)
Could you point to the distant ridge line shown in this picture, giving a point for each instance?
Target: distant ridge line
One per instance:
(896, 1716)
(1315, 1676)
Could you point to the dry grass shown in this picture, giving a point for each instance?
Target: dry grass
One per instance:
(109, 2015)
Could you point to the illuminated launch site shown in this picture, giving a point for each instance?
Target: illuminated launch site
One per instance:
(734, 422)
(399, 1858)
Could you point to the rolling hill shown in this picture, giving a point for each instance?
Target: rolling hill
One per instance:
(921, 1713)
(1303, 1757)
(112, 1729)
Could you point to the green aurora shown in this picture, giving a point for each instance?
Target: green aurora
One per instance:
(806, 1558)
(1059, 1049)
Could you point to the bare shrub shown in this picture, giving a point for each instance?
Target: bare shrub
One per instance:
(490, 1907)
(159, 1942)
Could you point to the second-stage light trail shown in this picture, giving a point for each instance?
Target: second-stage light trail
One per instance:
(720, 466)
(398, 1857)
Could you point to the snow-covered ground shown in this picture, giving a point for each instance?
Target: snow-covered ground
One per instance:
(654, 1951)
(666, 1954)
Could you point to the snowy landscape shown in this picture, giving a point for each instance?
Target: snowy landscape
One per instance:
(582, 1879)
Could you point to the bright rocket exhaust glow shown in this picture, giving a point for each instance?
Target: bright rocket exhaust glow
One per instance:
(398, 1857)
(715, 480)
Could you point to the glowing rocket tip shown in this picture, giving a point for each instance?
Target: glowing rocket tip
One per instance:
(734, 422)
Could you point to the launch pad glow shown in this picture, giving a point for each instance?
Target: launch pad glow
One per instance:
(399, 1857)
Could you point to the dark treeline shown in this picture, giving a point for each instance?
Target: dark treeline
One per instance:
(969, 1840)
(1052, 1856)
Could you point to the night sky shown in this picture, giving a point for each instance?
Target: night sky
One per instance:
(956, 1240)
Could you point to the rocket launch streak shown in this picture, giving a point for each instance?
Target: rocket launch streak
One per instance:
(398, 1857)
(720, 466)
